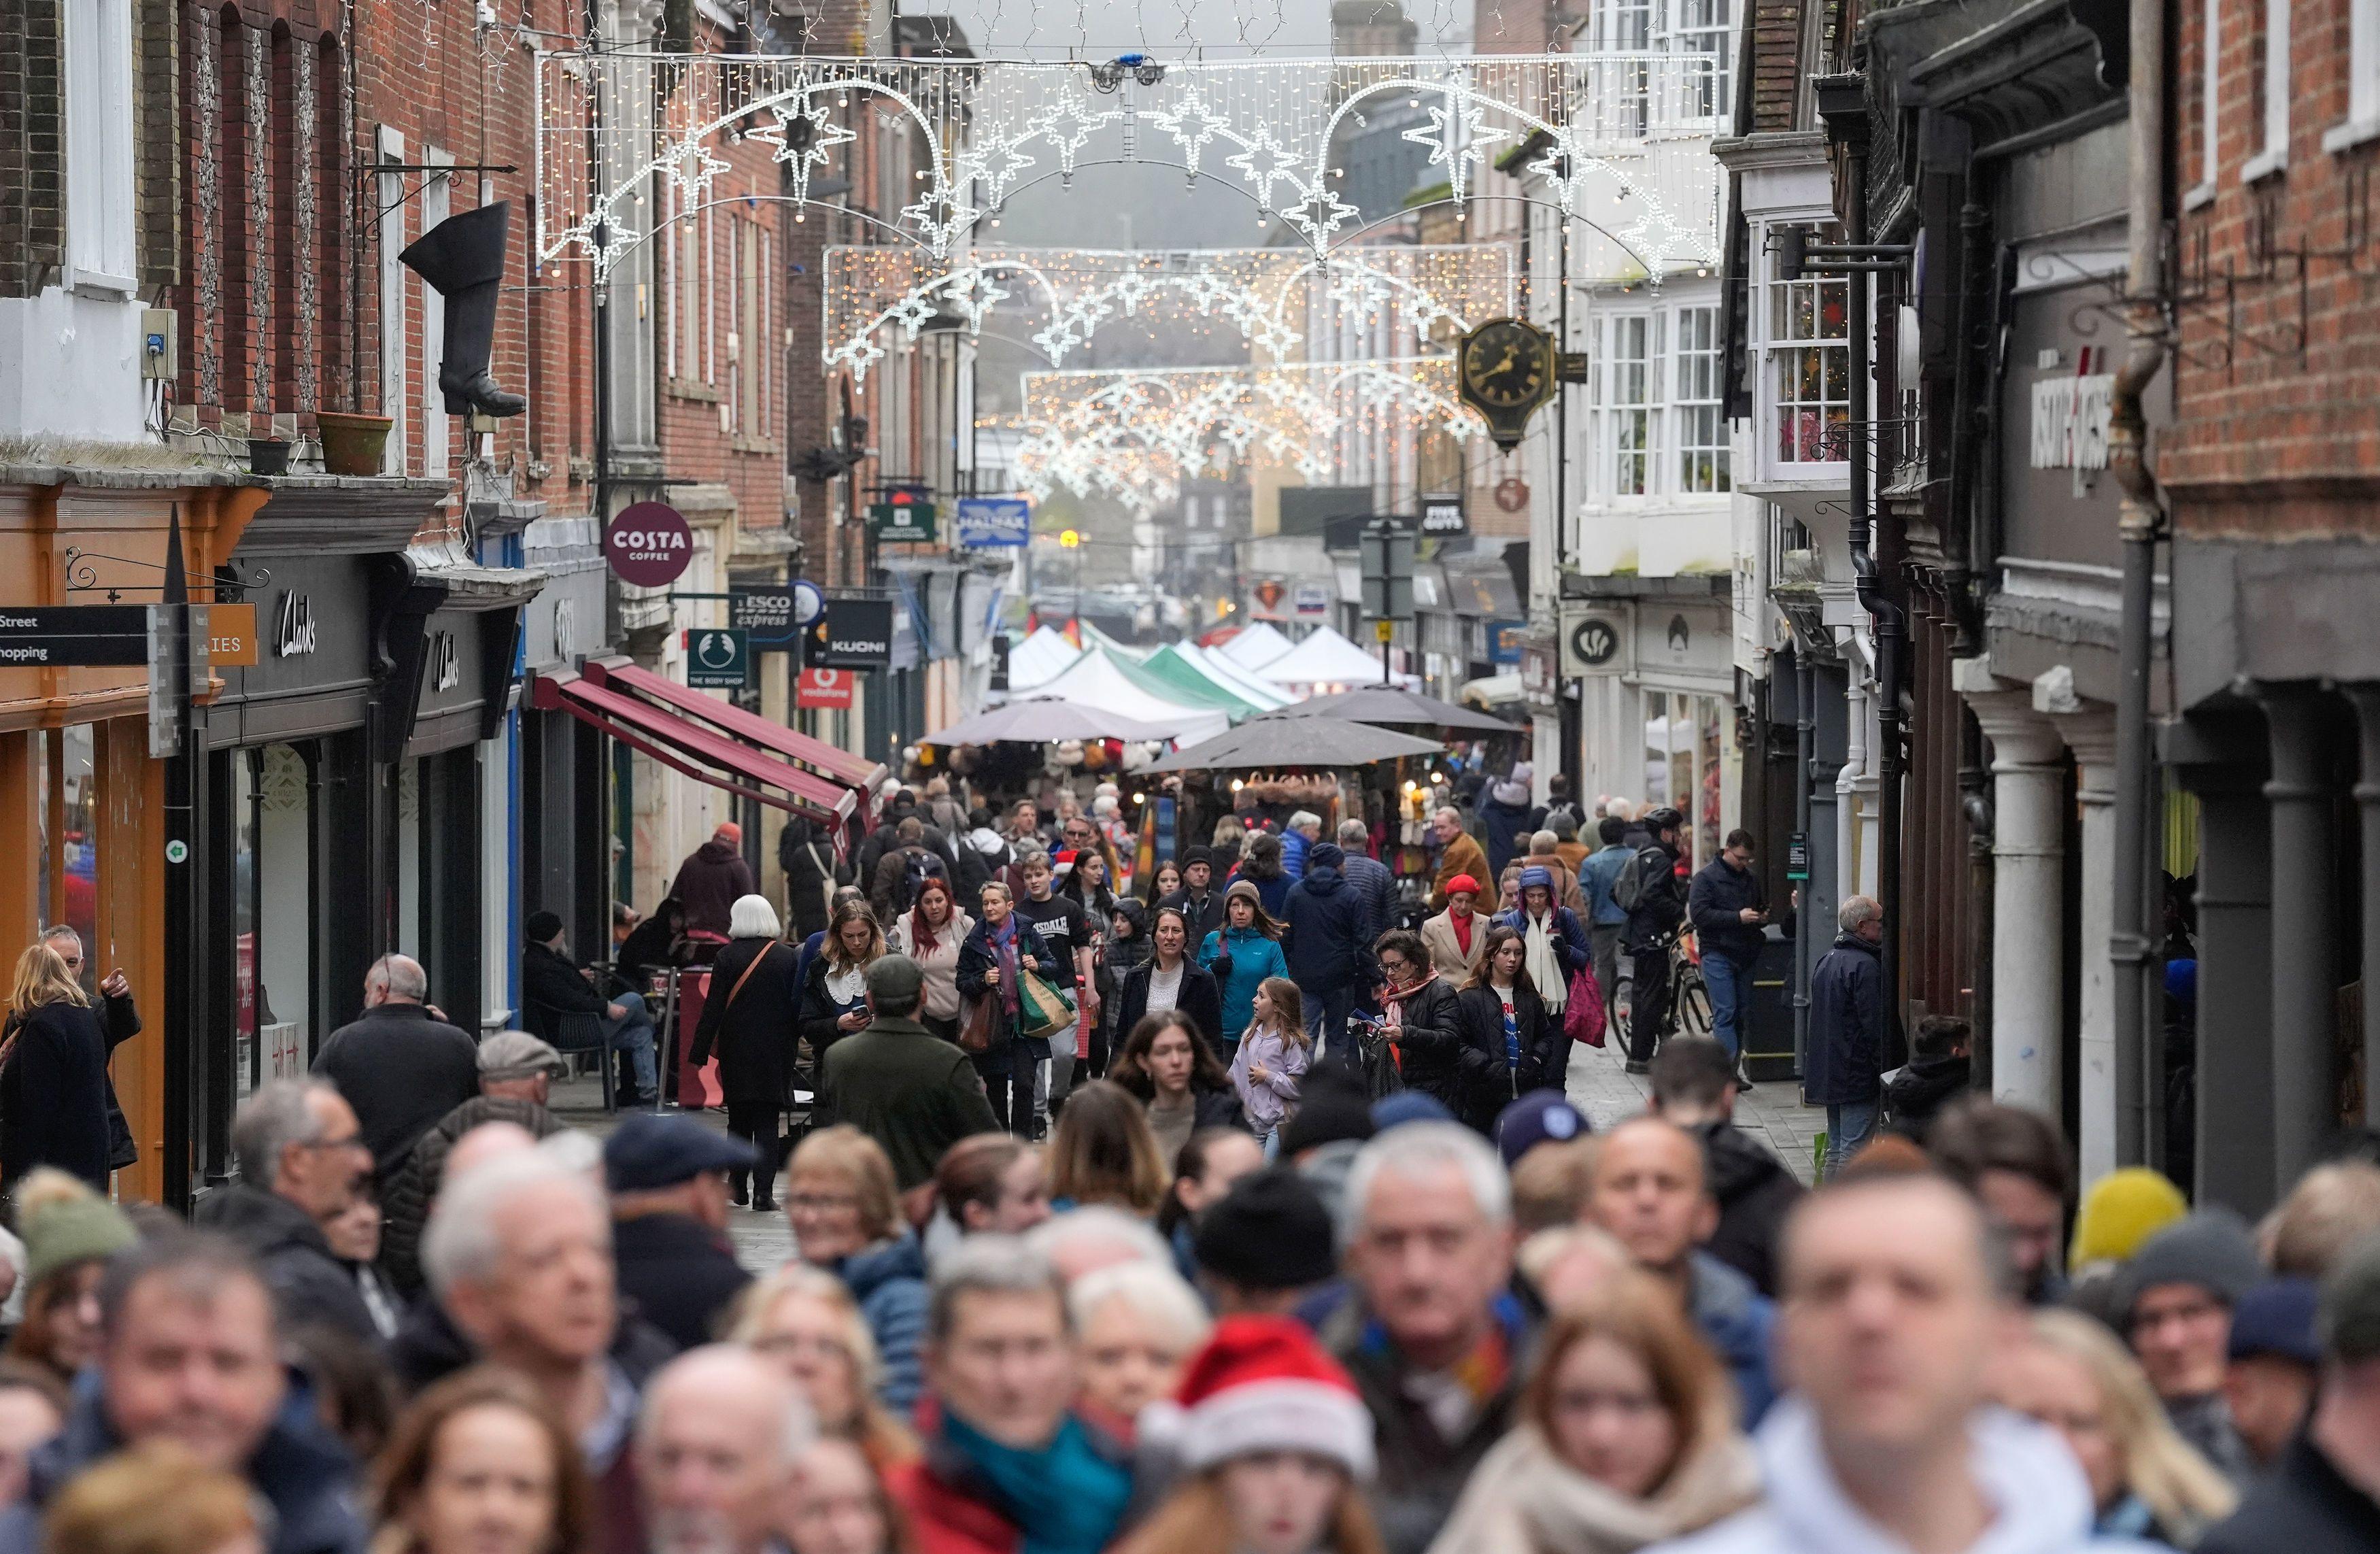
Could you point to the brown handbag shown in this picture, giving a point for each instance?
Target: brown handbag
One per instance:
(979, 1020)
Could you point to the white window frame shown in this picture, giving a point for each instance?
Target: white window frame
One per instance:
(2362, 78)
(2275, 157)
(1775, 346)
(1643, 356)
(100, 251)
(395, 367)
(1686, 412)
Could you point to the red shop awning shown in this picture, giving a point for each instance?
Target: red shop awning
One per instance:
(686, 746)
(856, 772)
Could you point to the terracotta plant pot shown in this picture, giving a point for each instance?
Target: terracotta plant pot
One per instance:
(352, 445)
(267, 456)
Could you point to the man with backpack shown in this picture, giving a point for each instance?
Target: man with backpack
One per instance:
(904, 866)
(1648, 890)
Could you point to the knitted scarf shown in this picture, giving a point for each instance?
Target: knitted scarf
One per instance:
(1064, 1498)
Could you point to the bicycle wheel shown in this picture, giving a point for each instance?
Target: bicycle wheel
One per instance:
(1620, 1012)
(1694, 1004)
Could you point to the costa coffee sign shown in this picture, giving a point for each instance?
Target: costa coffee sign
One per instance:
(649, 544)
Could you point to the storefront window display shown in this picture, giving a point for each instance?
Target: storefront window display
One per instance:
(68, 817)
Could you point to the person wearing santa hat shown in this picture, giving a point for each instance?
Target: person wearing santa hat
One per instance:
(1277, 1445)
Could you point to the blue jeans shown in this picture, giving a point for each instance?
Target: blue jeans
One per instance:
(1729, 982)
(1326, 1021)
(633, 1032)
(1849, 1127)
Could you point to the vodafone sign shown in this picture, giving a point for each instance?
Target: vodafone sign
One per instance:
(824, 689)
(649, 544)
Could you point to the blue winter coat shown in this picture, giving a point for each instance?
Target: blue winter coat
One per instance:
(1503, 824)
(1734, 1319)
(1845, 1063)
(1571, 946)
(1376, 888)
(888, 1283)
(1324, 944)
(1596, 875)
(1294, 845)
(1255, 956)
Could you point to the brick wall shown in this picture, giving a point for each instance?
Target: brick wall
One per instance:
(2274, 434)
(32, 130)
(465, 95)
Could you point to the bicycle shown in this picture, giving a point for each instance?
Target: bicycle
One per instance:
(1690, 1006)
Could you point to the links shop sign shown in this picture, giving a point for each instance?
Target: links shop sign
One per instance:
(648, 545)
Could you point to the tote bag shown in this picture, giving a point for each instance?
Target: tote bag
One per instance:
(1583, 1016)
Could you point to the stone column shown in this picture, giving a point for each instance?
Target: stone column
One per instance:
(2305, 925)
(2089, 730)
(2028, 890)
(2220, 758)
(1854, 788)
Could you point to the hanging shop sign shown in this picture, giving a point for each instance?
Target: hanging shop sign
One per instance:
(994, 522)
(649, 544)
(1312, 600)
(1267, 596)
(1540, 662)
(903, 518)
(1443, 515)
(718, 657)
(1504, 642)
(1596, 642)
(851, 633)
(231, 637)
(825, 690)
(768, 617)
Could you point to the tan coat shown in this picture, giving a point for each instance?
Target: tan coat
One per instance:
(1463, 855)
(1524, 1500)
(1445, 951)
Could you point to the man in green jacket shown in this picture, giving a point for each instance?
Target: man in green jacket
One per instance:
(900, 1084)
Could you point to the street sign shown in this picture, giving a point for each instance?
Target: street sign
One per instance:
(649, 544)
(1504, 642)
(768, 615)
(1443, 515)
(717, 658)
(231, 636)
(1312, 598)
(905, 520)
(1387, 552)
(994, 522)
(74, 636)
(1797, 856)
(851, 633)
(1384, 629)
(825, 690)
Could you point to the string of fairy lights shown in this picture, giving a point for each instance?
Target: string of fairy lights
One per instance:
(1134, 436)
(1276, 300)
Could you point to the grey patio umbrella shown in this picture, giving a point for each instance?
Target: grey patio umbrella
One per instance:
(1263, 743)
(1037, 722)
(1390, 707)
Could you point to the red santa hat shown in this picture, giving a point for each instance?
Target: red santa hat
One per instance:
(1263, 1384)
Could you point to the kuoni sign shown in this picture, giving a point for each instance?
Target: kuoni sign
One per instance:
(649, 544)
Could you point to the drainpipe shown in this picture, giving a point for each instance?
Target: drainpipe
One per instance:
(1805, 739)
(1843, 103)
(2131, 945)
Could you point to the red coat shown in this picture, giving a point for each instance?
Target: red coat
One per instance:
(946, 1516)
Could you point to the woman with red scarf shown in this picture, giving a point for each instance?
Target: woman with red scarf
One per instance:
(1424, 1022)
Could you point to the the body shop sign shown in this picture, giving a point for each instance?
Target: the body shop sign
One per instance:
(648, 545)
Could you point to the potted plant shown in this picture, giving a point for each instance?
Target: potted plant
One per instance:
(352, 443)
(267, 455)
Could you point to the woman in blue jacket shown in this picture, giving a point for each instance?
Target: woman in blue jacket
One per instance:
(1242, 954)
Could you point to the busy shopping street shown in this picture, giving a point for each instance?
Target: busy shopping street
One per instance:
(1146, 777)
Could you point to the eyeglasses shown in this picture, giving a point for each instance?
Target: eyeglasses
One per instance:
(818, 1345)
(820, 1203)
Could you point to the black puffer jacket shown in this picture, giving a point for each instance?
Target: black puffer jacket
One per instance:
(404, 1197)
(1200, 998)
(1431, 1055)
(1545, 1051)
(1755, 1191)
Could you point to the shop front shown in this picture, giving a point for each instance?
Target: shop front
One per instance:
(82, 822)
(1655, 667)
(565, 835)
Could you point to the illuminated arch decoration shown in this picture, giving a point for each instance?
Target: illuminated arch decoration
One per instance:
(1623, 135)
(1136, 435)
(1273, 297)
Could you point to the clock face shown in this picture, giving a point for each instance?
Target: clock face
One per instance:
(1504, 362)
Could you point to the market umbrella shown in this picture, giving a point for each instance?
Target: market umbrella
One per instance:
(1389, 707)
(1038, 721)
(1306, 742)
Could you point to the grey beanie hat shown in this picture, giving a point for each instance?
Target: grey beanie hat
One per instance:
(2210, 1248)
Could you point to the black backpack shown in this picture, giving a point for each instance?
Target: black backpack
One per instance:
(1649, 865)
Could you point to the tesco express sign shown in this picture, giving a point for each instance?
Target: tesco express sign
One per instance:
(647, 544)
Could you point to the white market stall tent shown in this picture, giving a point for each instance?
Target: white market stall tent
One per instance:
(1326, 658)
(1255, 646)
(1234, 677)
(1094, 680)
(1040, 659)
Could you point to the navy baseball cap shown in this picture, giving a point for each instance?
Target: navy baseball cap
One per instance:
(649, 1152)
(1539, 1117)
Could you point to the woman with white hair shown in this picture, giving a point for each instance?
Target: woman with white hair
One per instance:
(751, 1014)
(1138, 1323)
